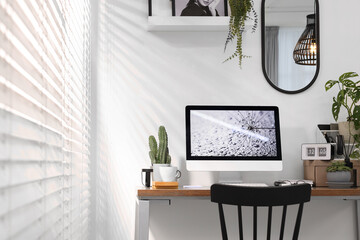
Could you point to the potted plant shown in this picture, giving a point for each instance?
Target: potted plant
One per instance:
(159, 155)
(347, 97)
(241, 10)
(338, 172)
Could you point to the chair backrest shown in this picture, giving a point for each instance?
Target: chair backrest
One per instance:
(261, 197)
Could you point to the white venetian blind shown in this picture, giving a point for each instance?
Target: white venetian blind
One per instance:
(44, 119)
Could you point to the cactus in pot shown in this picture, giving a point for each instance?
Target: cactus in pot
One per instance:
(159, 155)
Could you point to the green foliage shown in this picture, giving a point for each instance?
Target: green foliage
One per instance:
(159, 155)
(337, 166)
(241, 10)
(347, 97)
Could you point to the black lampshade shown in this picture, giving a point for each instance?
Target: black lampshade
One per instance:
(305, 49)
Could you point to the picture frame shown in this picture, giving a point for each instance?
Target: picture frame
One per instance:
(316, 151)
(178, 7)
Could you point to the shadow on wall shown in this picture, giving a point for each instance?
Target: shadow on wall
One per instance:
(143, 82)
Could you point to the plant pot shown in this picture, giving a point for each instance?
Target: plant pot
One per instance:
(340, 176)
(156, 172)
(344, 130)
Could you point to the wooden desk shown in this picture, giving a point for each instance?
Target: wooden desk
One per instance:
(146, 195)
(205, 192)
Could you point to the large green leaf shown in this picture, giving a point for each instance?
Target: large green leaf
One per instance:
(348, 83)
(329, 84)
(355, 155)
(356, 96)
(356, 138)
(356, 117)
(347, 75)
(336, 109)
(341, 96)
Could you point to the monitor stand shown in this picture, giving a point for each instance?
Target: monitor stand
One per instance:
(230, 177)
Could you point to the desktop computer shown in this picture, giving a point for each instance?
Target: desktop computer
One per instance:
(233, 138)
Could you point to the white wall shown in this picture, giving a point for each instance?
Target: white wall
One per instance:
(145, 79)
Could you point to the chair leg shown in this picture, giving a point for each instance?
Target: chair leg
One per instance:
(241, 234)
(298, 221)
(222, 222)
(269, 223)
(255, 222)
(283, 223)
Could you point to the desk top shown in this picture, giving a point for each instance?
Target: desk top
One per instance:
(205, 192)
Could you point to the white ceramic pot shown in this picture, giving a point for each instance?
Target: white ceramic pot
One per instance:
(156, 172)
(169, 174)
(341, 176)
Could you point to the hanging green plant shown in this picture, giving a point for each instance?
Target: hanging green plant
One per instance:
(241, 10)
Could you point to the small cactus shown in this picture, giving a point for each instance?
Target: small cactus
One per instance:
(153, 149)
(159, 155)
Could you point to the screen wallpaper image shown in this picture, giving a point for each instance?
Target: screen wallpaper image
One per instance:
(233, 133)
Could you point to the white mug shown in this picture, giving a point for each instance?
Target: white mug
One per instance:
(169, 174)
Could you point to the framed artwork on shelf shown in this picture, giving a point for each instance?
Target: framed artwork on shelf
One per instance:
(316, 151)
(201, 8)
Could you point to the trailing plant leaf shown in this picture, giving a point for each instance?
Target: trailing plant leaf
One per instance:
(241, 10)
(254, 26)
(231, 57)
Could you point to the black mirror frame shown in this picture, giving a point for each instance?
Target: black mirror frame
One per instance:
(263, 50)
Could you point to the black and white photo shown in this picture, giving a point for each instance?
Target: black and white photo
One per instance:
(199, 8)
(233, 133)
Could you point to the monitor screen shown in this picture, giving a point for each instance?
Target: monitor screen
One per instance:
(232, 133)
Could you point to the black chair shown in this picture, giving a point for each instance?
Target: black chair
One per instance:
(261, 197)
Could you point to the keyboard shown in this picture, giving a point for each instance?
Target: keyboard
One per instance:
(246, 184)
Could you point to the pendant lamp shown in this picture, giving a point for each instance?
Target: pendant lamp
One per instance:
(305, 48)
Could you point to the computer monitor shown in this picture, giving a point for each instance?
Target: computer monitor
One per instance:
(233, 138)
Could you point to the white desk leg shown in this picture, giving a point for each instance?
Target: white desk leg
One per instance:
(144, 214)
(358, 218)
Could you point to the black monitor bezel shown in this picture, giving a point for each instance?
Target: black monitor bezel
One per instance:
(233, 158)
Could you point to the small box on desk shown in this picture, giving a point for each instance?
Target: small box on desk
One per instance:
(165, 185)
(315, 170)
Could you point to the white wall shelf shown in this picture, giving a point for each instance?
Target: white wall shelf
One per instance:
(190, 24)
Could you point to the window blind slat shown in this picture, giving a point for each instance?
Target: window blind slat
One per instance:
(44, 119)
(26, 129)
(44, 50)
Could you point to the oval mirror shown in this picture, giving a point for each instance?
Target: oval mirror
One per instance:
(290, 43)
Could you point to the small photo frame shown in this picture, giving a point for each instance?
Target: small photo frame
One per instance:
(316, 151)
(198, 8)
